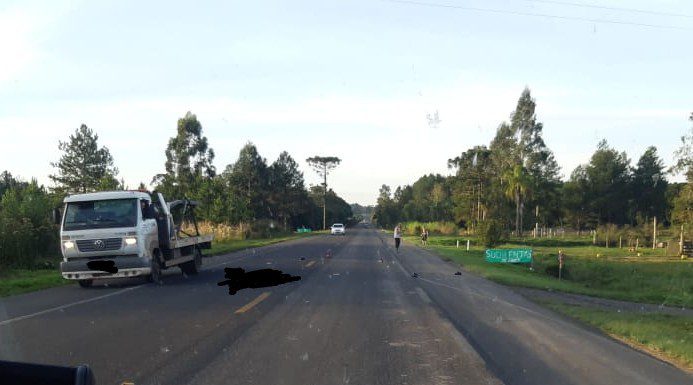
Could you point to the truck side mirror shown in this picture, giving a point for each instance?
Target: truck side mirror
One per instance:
(57, 216)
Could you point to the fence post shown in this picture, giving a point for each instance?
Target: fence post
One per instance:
(467, 244)
(560, 264)
(458, 244)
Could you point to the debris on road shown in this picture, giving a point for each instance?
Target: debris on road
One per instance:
(415, 275)
(458, 273)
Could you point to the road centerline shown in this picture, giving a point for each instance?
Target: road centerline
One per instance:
(253, 303)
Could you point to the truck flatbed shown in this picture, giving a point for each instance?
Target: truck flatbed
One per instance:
(190, 241)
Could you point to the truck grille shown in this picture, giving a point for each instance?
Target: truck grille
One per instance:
(105, 244)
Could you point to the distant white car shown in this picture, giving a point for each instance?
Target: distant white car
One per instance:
(337, 229)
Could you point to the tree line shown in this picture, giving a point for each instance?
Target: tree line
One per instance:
(257, 196)
(514, 183)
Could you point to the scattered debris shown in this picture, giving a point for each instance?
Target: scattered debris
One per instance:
(415, 275)
(458, 273)
(302, 258)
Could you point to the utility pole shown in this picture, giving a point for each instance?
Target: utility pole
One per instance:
(324, 198)
(654, 233)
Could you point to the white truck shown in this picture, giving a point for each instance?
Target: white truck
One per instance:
(116, 234)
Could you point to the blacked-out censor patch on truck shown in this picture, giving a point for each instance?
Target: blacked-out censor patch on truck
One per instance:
(107, 266)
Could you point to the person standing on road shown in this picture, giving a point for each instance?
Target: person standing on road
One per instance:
(398, 236)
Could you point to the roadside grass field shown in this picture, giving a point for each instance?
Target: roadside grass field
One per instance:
(597, 271)
(18, 281)
(665, 336)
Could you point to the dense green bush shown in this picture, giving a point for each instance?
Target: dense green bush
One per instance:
(490, 232)
(26, 230)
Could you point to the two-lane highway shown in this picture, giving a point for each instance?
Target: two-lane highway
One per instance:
(355, 317)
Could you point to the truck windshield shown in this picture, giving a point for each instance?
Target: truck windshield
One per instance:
(100, 214)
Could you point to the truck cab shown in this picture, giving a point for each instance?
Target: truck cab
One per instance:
(118, 234)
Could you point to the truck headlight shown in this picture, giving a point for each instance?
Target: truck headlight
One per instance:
(130, 241)
(69, 244)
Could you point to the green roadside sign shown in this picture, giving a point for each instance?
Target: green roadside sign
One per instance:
(509, 255)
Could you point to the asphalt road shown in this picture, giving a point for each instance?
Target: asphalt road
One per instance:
(351, 319)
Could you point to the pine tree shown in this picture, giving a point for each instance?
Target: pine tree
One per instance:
(188, 160)
(84, 166)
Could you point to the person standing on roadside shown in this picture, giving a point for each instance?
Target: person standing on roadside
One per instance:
(398, 236)
(424, 236)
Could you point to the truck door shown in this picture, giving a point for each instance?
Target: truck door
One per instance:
(165, 222)
(148, 227)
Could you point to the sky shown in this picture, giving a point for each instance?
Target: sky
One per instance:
(349, 78)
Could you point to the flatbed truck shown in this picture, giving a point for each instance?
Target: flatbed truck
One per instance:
(123, 234)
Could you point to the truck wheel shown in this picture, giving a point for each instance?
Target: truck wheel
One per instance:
(192, 267)
(155, 275)
(85, 282)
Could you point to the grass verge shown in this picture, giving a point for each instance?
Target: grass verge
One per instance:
(18, 281)
(665, 336)
(615, 273)
(242, 244)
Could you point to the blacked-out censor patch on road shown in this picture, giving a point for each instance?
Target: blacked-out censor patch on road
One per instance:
(107, 266)
(238, 279)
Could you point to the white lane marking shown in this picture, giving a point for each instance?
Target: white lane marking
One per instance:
(484, 296)
(496, 299)
(423, 295)
(61, 307)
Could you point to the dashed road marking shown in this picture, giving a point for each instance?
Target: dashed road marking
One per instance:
(254, 302)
